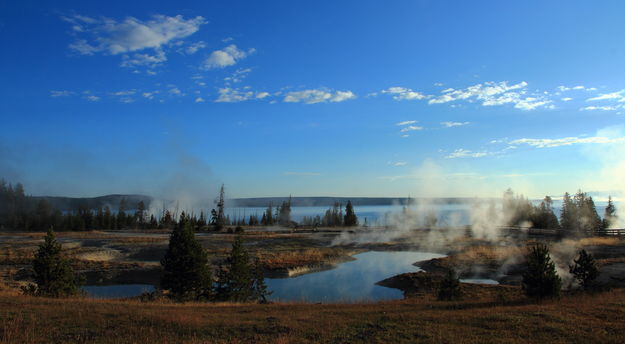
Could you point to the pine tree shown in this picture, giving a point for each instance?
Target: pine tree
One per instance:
(187, 275)
(284, 214)
(449, 288)
(609, 215)
(350, 216)
(53, 274)
(540, 279)
(568, 213)
(240, 280)
(584, 269)
(218, 216)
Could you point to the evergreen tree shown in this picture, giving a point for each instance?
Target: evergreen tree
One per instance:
(121, 214)
(544, 216)
(260, 288)
(350, 216)
(284, 215)
(140, 215)
(218, 216)
(53, 274)
(187, 275)
(540, 278)
(240, 280)
(609, 215)
(449, 288)
(568, 213)
(584, 269)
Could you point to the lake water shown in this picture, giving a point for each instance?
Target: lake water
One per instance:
(452, 214)
(351, 281)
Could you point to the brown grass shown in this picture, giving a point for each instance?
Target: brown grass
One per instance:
(483, 319)
(293, 258)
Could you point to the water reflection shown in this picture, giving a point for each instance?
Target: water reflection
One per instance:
(350, 282)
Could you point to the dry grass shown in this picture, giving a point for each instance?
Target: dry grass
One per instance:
(484, 319)
(293, 258)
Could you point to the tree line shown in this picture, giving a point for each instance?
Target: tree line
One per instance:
(578, 213)
(187, 272)
(22, 212)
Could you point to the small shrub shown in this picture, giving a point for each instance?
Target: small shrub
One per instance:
(449, 288)
(540, 279)
(585, 270)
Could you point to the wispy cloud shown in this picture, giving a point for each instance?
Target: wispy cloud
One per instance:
(235, 95)
(225, 57)
(92, 98)
(405, 123)
(318, 96)
(575, 88)
(618, 96)
(411, 128)
(464, 153)
(402, 93)
(453, 124)
(601, 108)
(488, 94)
(567, 141)
(131, 35)
(64, 93)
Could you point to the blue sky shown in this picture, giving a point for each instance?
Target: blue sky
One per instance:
(338, 98)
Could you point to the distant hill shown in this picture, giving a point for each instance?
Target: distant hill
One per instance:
(73, 203)
(328, 201)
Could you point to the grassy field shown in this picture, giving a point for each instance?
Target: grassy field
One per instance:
(488, 315)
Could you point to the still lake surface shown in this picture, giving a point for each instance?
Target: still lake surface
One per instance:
(448, 214)
(351, 281)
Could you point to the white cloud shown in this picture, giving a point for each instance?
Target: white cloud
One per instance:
(618, 95)
(199, 100)
(237, 76)
(575, 88)
(131, 34)
(232, 95)
(318, 96)
(400, 163)
(149, 95)
(405, 123)
(148, 60)
(464, 153)
(410, 128)
(228, 56)
(401, 93)
(261, 95)
(127, 100)
(92, 98)
(600, 108)
(194, 47)
(566, 99)
(175, 91)
(494, 93)
(64, 93)
(453, 124)
(124, 93)
(567, 141)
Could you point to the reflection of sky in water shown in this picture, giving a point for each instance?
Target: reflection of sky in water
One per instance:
(350, 281)
(115, 291)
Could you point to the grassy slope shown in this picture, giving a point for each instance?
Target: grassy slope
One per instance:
(573, 319)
